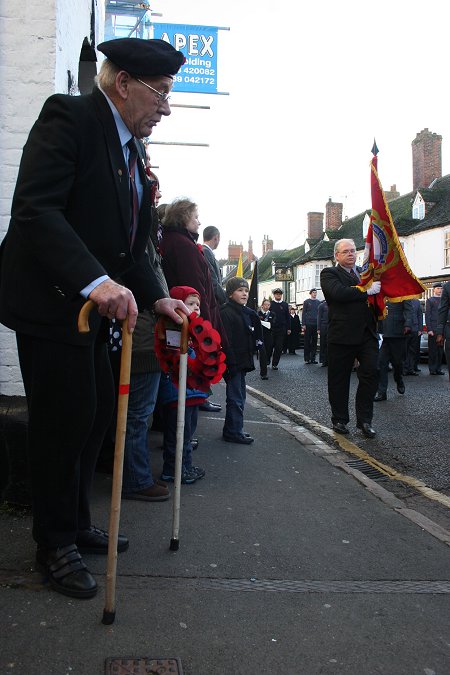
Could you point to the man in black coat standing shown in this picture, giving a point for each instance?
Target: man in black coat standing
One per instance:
(281, 326)
(394, 329)
(309, 329)
(435, 350)
(80, 224)
(211, 240)
(352, 335)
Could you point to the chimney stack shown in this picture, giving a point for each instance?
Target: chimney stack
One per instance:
(333, 218)
(391, 194)
(250, 249)
(267, 244)
(315, 224)
(234, 250)
(427, 158)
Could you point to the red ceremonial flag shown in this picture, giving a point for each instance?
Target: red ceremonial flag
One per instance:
(384, 259)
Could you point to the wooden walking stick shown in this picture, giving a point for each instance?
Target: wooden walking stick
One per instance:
(109, 612)
(175, 542)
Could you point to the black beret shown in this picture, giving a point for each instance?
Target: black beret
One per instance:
(147, 58)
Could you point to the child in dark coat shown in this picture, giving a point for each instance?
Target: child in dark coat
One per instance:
(236, 319)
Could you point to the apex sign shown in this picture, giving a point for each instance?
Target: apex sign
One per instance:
(199, 45)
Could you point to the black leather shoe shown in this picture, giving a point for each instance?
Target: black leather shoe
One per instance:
(95, 540)
(380, 397)
(194, 443)
(66, 571)
(367, 430)
(207, 406)
(264, 377)
(340, 428)
(401, 387)
(440, 372)
(243, 440)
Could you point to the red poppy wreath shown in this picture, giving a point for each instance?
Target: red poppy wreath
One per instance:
(206, 368)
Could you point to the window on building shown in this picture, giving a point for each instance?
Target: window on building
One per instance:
(447, 248)
(418, 210)
(318, 268)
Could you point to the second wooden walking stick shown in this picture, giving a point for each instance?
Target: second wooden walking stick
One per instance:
(175, 541)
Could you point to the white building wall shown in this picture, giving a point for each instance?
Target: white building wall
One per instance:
(425, 253)
(41, 41)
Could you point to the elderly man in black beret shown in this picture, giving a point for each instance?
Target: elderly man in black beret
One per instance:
(79, 229)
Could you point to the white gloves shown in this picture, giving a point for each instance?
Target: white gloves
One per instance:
(375, 288)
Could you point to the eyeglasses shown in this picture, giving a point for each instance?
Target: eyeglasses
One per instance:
(162, 95)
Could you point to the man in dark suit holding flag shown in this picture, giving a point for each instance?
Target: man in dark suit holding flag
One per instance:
(352, 335)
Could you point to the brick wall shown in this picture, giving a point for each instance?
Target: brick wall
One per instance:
(41, 41)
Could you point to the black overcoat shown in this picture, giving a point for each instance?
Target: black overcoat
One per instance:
(70, 221)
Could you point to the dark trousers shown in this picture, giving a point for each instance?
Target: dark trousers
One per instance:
(341, 358)
(236, 396)
(278, 342)
(323, 354)
(392, 351)
(268, 345)
(435, 354)
(412, 356)
(262, 355)
(310, 343)
(70, 396)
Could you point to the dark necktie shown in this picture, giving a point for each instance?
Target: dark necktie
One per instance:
(134, 200)
(354, 275)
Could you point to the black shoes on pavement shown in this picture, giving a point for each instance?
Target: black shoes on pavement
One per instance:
(401, 387)
(379, 397)
(95, 540)
(340, 428)
(367, 430)
(244, 439)
(66, 571)
(64, 567)
(207, 406)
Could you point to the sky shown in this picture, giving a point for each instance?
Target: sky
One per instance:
(310, 85)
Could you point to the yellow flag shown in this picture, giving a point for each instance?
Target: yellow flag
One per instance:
(239, 268)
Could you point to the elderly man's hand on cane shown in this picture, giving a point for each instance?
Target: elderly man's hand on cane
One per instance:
(115, 302)
(168, 307)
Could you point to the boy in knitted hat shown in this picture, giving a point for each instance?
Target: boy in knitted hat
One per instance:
(239, 353)
(168, 396)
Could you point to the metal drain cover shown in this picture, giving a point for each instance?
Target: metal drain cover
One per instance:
(143, 666)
